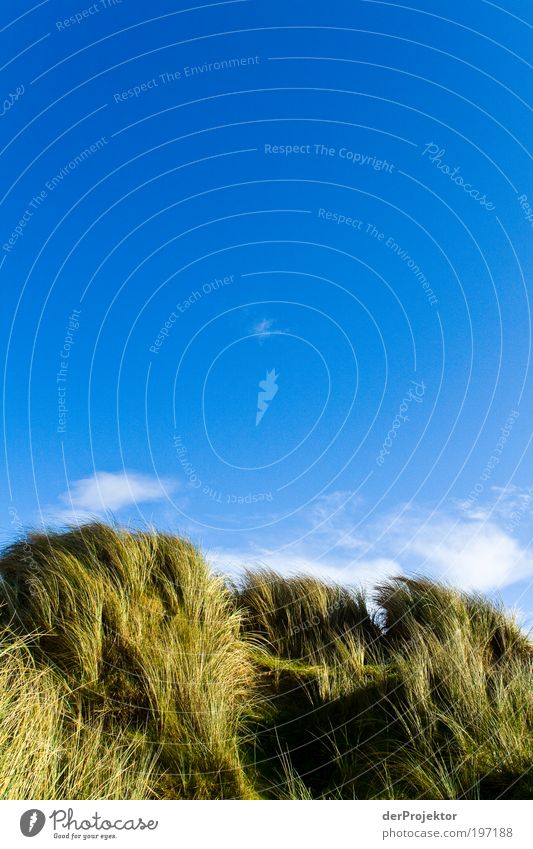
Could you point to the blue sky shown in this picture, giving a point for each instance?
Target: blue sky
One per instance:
(266, 277)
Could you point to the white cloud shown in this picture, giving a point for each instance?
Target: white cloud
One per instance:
(468, 550)
(340, 571)
(326, 547)
(107, 492)
(262, 328)
(472, 548)
(504, 503)
(476, 555)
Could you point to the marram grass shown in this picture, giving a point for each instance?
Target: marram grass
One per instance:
(128, 670)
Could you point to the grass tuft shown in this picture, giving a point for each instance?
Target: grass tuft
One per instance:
(129, 670)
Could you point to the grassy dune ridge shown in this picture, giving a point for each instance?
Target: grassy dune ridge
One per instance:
(129, 670)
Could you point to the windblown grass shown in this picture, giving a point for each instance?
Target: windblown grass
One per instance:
(49, 750)
(129, 670)
(147, 640)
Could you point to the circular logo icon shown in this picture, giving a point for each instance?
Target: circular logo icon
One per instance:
(32, 822)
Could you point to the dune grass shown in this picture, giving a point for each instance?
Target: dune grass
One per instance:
(129, 670)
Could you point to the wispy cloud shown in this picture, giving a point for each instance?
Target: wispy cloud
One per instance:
(109, 492)
(476, 554)
(262, 328)
(338, 570)
(326, 546)
(509, 504)
(468, 549)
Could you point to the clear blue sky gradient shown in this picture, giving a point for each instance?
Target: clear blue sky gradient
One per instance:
(339, 192)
